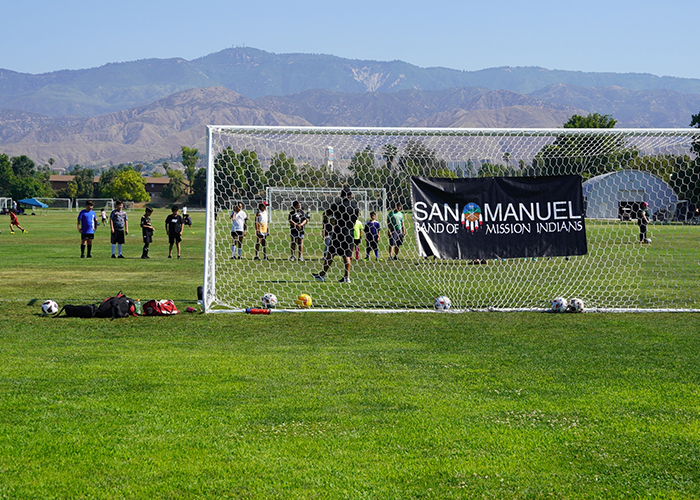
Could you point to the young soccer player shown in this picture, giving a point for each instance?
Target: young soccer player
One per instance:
(397, 231)
(357, 237)
(119, 225)
(173, 227)
(146, 231)
(261, 231)
(15, 222)
(239, 226)
(87, 222)
(297, 221)
(103, 215)
(372, 230)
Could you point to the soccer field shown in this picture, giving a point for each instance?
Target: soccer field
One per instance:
(333, 405)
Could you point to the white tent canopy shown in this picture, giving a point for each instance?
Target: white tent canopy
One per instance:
(605, 194)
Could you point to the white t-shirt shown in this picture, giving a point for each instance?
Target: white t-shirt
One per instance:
(261, 219)
(238, 221)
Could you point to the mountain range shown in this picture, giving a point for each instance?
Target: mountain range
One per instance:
(145, 110)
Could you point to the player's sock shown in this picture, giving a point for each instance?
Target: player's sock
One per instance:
(89, 251)
(82, 251)
(114, 247)
(119, 247)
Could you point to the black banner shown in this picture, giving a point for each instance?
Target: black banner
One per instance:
(499, 217)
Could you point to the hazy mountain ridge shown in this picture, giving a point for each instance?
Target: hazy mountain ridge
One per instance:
(255, 73)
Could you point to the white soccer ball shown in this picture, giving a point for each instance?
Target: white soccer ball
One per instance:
(269, 301)
(559, 304)
(443, 303)
(647, 240)
(49, 307)
(576, 305)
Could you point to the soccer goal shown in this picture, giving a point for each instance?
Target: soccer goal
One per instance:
(57, 203)
(99, 203)
(495, 219)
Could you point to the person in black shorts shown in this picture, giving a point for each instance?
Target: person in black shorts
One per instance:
(297, 221)
(119, 225)
(344, 213)
(173, 227)
(147, 232)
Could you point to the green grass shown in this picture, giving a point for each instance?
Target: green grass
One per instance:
(332, 405)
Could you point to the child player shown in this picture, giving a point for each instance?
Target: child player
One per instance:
(261, 230)
(119, 225)
(173, 227)
(14, 222)
(372, 230)
(147, 232)
(357, 237)
(87, 222)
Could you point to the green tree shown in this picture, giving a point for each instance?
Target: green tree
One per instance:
(199, 187)
(189, 160)
(128, 185)
(22, 166)
(283, 171)
(588, 154)
(7, 176)
(83, 183)
(175, 187)
(30, 187)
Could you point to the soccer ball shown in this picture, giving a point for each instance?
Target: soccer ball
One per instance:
(443, 303)
(269, 301)
(303, 300)
(49, 307)
(576, 305)
(559, 304)
(647, 240)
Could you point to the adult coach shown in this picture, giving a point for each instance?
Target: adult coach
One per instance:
(344, 213)
(87, 222)
(397, 231)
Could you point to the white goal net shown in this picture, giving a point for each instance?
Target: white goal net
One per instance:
(626, 175)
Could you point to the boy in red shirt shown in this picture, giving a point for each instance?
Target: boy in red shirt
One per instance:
(14, 222)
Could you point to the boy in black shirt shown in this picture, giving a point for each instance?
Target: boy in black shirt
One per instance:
(147, 232)
(173, 227)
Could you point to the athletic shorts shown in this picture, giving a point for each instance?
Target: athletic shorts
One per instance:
(236, 234)
(373, 244)
(357, 242)
(396, 239)
(342, 245)
(87, 236)
(174, 238)
(147, 238)
(261, 236)
(294, 234)
(118, 236)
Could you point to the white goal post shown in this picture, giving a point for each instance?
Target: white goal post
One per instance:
(99, 203)
(624, 173)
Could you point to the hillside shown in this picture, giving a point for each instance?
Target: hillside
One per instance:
(255, 73)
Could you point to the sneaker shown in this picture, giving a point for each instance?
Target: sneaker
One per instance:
(145, 257)
(367, 258)
(24, 231)
(256, 258)
(265, 257)
(301, 259)
(318, 277)
(114, 256)
(120, 256)
(12, 232)
(170, 256)
(181, 257)
(344, 279)
(89, 256)
(292, 259)
(82, 256)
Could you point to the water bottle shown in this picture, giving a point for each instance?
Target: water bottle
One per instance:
(138, 307)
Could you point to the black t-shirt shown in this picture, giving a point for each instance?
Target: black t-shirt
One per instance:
(345, 213)
(174, 223)
(297, 217)
(146, 221)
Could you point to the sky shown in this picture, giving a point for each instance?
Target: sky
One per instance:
(621, 36)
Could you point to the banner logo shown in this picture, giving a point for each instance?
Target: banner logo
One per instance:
(471, 217)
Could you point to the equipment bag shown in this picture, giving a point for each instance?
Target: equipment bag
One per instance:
(78, 311)
(160, 308)
(119, 306)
